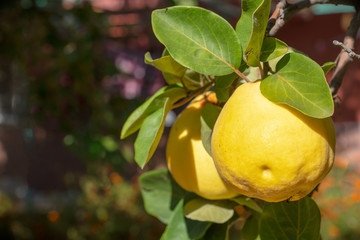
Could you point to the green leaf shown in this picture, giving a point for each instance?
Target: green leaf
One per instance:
(155, 102)
(299, 82)
(166, 64)
(222, 94)
(326, 67)
(217, 232)
(272, 48)
(222, 83)
(291, 220)
(248, 202)
(196, 229)
(198, 39)
(160, 193)
(208, 118)
(150, 134)
(209, 211)
(251, 28)
(170, 78)
(136, 118)
(226, 80)
(152, 126)
(180, 228)
(250, 231)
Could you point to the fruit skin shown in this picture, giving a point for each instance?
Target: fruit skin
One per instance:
(270, 151)
(189, 163)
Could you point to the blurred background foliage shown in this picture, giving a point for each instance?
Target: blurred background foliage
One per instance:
(71, 72)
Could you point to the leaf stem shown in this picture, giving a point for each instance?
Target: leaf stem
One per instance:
(241, 75)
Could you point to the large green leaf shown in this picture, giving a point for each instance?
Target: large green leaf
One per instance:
(160, 193)
(209, 211)
(272, 48)
(298, 220)
(180, 228)
(208, 118)
(299, 82)
(155, 102)
(198, 39)
(251, 28)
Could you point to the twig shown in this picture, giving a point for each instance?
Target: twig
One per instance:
(284, 11)
(351, 53)
(192, 94)
(344, 57)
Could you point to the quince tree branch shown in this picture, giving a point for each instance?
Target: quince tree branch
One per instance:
(344, 57)
(284, 11)
(346, 49)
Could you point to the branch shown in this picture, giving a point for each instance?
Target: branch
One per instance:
(351, 53)
(344, 58)
(284, 11)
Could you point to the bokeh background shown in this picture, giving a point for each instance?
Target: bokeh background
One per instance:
(71, 72)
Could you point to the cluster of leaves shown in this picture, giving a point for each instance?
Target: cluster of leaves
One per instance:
(203, 51)
(189, 216)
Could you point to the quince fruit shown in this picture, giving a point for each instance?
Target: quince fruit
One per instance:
(188, 161)
(270, 151)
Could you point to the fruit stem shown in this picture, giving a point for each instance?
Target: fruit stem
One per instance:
(261, 71)
(267, 68)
